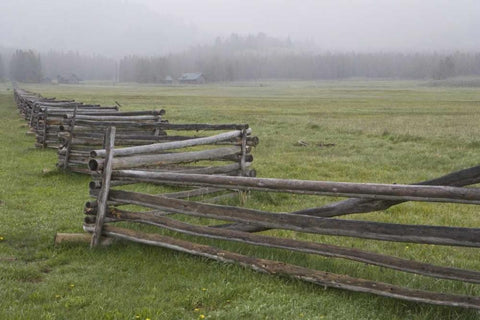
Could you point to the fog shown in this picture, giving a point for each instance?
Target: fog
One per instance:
(360, 25)
(230, 40)
(150, 27)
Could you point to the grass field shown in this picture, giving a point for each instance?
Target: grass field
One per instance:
(382, 132)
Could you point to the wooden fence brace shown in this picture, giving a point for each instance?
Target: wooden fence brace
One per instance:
(69, 142)
(166, 158)
(243, 167)
(103, 196)
(172, 145)
(45, 120)
(458, 178)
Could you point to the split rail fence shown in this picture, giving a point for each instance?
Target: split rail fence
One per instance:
(221, 163)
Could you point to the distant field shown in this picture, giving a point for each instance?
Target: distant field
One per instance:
(360, 131)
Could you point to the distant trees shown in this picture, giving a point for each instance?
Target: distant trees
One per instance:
(89, 67)
(25, 66)
(242, 58)
(445, 69)
(143, 70)
(261, 57)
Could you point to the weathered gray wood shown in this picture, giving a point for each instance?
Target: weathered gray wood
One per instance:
(459, 178)
(114, 112)
(104, 191)
(243, 167)
(162, 125)
(45, 129)
(68, 144)
(79, 237)
(162, 159)
(299, 246)
(279, 268)
(117, 117)
(454, 236)
(157, 147)
(338, 189)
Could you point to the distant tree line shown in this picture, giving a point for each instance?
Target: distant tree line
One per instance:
(253, 58)
(25, 66)
(87, 67)
(241, 58)
(29, 66)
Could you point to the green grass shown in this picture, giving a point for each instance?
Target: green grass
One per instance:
(383, 132)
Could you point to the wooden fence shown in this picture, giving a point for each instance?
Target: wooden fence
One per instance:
(220, 163)
(45, 115)
(105, 211)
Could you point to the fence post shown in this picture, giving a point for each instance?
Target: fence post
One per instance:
(103, 195)
(243, 166)
(69, 141)
(45, 120)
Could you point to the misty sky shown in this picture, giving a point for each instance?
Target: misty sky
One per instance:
(116, 27)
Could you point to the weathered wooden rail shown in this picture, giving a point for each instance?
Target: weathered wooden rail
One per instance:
(106, 210)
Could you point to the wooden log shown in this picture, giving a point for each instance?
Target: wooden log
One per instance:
(45, 131)
(220, 169)
(120, 124)
(243, 167)
(149, 129)
(162, 159)
(61, 111)
(164, 125)
(98, 135)
(118, 118)
(103, 112)
(454, 236)
(337, 189)
(68, 143)
(459, 178)
(104, 191)
(79, 237)
(95, 142)
(157, 147)
(299, 246)
(279, 268)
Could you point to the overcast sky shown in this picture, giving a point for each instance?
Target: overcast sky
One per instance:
(166, 25)
(340, 24)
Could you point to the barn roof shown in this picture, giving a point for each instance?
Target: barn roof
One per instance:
(190, 76)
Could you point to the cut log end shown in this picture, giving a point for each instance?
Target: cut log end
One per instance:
(78, 238)
(93, 165)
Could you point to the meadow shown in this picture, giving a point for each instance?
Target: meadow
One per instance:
(359, 131)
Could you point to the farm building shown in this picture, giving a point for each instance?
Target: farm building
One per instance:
(194, 78)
